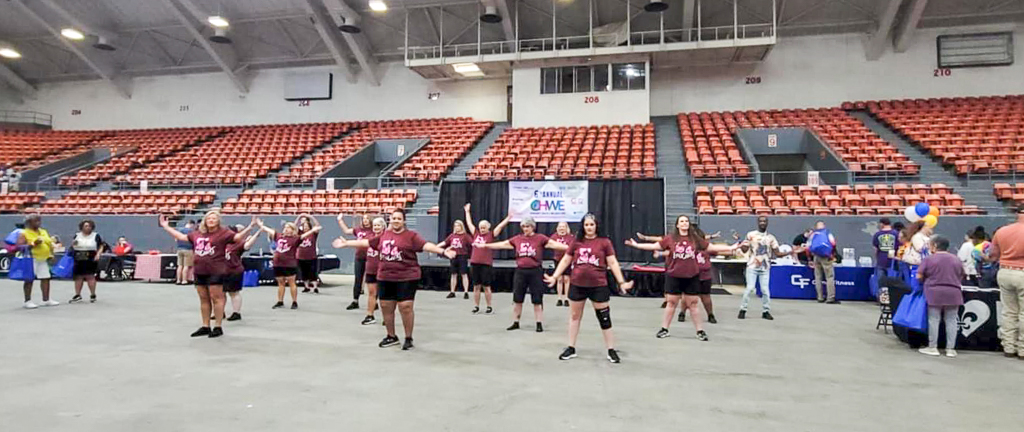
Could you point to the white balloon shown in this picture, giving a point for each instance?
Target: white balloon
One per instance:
(911, 214)
(785, 249)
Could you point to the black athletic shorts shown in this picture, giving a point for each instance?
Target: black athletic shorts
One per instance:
(212, 279)
(460, 265)
(531, 280)
(705, 286)
(595, 294)
(397, 291)
(677, 286)
(370, 277)
(481, 274)
(285, 271)
(309, 270)
(233, 282)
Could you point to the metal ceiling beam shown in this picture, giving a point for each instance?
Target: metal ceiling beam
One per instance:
(17, 82)
(876, 44)
(329, 36)
(192, 17)
(689, 16)
(357, 43)
(100, 65)
(506, 17)
(433, 26)
(905, 31)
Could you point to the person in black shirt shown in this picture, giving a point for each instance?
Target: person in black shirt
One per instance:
(801, 240)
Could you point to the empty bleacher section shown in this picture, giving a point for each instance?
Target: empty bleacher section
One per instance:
(29, 149)
(861, 199)
(238, 157)
(292, 201)
(589, 152)
(1013, 193)
(971, 134)
(711, 152)
(150, 145)
(166, 202)
(17, 201)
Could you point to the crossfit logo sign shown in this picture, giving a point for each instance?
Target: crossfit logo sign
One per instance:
(799, 281)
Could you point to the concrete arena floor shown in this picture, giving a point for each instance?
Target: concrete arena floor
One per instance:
(126, 363)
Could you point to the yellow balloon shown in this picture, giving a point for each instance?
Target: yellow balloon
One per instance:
(934, 211)
(930, 220)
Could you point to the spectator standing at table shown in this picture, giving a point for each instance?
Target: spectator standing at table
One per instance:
(966, 256)
(940, 273)
(822, 245)
(40, 245)
(86, 249)
(185, 255)
(987, 271)
(1008, 250)
(759, 247)
(919, 235)
(885, 242)
(801, 241)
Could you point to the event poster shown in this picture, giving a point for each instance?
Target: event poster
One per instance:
(548, 201)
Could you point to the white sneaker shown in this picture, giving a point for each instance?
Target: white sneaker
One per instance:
(929, 351)
(951, 353)
(30, 305)
(50, 303)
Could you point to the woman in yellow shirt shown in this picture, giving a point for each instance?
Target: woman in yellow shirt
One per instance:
(41, 245)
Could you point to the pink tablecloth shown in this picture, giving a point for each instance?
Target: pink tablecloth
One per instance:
(147, 267)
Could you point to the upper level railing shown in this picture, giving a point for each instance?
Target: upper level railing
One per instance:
(33, 117)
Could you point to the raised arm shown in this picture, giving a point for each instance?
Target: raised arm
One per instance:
(239, 236)
(553, 245)
(613, 265)
(644, 246)
(469, 220)
(270, 231)
(344, 228)
(504, 244)
(311, 231)
(501, 225)
(173, 232)
(250, 241)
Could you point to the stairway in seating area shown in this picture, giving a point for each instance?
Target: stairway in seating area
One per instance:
(975, 192)
(459, 173)
(672, 167)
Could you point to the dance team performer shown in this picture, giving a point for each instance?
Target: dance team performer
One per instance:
(309, 269)
(564, 236)
(364, 230)
(481, 259)
(460, 242)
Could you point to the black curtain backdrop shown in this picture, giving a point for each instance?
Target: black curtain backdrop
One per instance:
(622, 207)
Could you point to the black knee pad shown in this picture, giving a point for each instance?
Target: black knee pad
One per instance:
(604, 318)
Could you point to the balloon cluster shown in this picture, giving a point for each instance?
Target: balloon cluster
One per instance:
(922, 212)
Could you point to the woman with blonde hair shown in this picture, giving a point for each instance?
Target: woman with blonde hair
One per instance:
(460, 242)
(306, 253)
(481, 259)
(372, 264)
(209, 242)
(564, 236)
(286, 264)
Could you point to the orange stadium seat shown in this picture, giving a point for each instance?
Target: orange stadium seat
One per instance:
(167, 202)
(829, 200)
(294, 201)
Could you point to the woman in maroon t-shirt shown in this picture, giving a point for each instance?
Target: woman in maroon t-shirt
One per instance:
(306, 253)
(364, 230)
(209, 245)
(682, 272)
(481, 259)
(372, 264)
(233, 286)
(459, 242)
(564, 236)
(398, 274)
(591, 256)
(529, 276)
(704, 264)
(285, 263)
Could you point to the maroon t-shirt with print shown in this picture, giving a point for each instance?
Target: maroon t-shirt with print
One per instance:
(704, 265)
(210, 251)
(398, 261)
(681, 262)
(563, 239)
(529, 250)
(480, 254)
(307, 247)
(372, 258)
(234, 258)
(590, 261)
(362, 234)
(284, 252)
(460, 243)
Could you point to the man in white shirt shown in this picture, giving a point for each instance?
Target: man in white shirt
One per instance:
(760, 251)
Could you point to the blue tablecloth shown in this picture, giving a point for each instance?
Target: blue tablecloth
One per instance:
(797, 282)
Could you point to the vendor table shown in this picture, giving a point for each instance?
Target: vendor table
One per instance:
(979, 321)
(797, 282)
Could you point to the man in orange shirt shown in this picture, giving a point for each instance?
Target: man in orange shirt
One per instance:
(1008, 249)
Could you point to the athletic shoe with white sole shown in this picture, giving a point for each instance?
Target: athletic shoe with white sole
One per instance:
(50, 303)
(662, 334)
(951, 353)
(613, 356)
(407, 345)
(569, 353)
(29, 305)
(702, 336)
(388, 341)
(929, 351)
(370, 319)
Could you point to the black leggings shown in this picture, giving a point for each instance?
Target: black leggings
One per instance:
(357, 287)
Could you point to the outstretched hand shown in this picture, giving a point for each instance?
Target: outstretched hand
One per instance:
(163, 221)
(631, 242)
(339, 243)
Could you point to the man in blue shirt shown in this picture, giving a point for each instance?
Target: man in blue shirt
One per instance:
(886, 241)
(185, 255)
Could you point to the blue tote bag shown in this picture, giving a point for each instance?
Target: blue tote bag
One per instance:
(251, 278)
(912, 312)
(65, 268)
(23, 268)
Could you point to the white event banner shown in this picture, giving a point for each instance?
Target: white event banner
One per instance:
(548, 201)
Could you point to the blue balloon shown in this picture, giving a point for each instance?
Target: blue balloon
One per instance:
(922, 209)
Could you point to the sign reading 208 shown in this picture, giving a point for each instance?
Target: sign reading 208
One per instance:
(591, 99)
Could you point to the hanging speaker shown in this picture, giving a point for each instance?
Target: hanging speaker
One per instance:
(103, 44)
(220, 35)
(656, 6)
(490, 15)
(350, 25)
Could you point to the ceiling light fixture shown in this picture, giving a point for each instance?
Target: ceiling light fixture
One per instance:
(103, 44)
(656, 6)
(490, 15)
(7, 52)
(218, 21)
(220, 36)
(350, 25)
(378, 5)
(72, 34)
(468, 69)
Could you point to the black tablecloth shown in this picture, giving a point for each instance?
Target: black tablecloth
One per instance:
(979, 321)
(266, 269)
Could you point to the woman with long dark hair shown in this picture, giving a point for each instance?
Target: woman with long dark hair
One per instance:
(682, 271)
(481, 259)
(591, 256)
(306, 253)
(361, 232)
(86, 249)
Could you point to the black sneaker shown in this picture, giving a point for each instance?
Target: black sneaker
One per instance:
(370, 319)
(465, 296)
(295, 305)
(742, 315)
(559, 303)
(407, 345)
(75, 299)
(235, 316)
(217, 332)
(821, 300)
(514, 326)
(662, 334)
(203, 331)
(568, 353)
(353, 306)
(682, 316)
(767, 315)
(540, 328)
(92, 299)
(565, 303)
(278, 305)
(613, 356)
(663, 304)
(388, 341)
(702, 336)
(316, 290)
(305, 290)
(476, 310)
(711, 319)
(833, 301)
(451, 295)
(489, 311)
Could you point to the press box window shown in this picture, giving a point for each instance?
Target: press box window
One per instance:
(629, 76)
